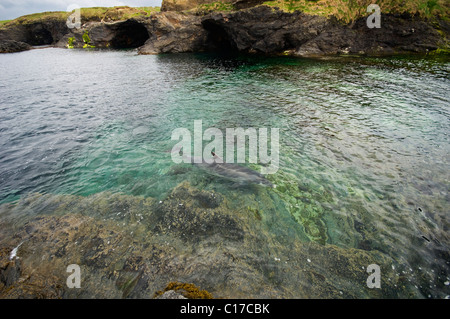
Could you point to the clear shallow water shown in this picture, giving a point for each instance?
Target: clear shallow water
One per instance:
(364, 155)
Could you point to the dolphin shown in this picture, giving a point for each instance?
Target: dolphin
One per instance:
(236, 173)
(239, 174)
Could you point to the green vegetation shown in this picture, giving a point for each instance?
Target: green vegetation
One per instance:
(190, 291)
(87, 41)
(35, 17)
(441, 51)
(70, 42)
(87, 15)
(115, 13)
(350, 10)
(86, 37)
(215, 6)
(3, 22)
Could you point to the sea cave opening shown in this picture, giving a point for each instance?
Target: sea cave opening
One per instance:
(130, 34)
(218, 39)
(39, 36)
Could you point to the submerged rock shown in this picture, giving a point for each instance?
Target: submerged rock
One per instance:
(171, 294)
(131, 247)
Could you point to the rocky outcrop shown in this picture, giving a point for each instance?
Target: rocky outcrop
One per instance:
(10, 46)
(265, 30)
(168, 32)
(22, 36)
(172, 32)
(259, 29)
(43, 32)
(131, 33)
(399, 34)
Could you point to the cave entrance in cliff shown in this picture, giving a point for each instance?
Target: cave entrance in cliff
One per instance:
(39, 36)
(130, 34)
(218, 39)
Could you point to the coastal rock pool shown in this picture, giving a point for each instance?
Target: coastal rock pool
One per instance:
(86, 176)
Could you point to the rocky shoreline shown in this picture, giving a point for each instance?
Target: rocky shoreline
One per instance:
(261, 29)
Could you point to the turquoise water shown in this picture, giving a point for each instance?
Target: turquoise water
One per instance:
(364, 152)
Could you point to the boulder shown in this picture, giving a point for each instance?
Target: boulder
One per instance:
(10, 46)
(174, 32)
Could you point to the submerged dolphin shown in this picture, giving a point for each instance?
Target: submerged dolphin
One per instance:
(237, 173)
(233, 172)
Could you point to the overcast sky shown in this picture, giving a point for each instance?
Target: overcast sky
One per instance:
(10, 9)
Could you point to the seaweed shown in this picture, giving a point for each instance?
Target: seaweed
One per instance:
(188, 290)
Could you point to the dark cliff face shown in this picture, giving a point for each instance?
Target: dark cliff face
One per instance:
(36, 33)
(398, 34)
(259, 29)
(131, 33)
(20, 37)
(264, 30)
(172, 32)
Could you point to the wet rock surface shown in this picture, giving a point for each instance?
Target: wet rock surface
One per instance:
(132, 247)
(11, 46)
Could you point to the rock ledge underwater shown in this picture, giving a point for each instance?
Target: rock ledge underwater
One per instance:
(132, 247)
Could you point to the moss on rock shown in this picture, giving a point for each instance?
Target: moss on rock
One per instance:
(190, 291)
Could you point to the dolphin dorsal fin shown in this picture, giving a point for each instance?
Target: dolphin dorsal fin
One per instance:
(216, 157)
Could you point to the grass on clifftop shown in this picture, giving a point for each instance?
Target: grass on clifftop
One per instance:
(3, 22)
(350, 10)
(215, 6)
(347, 11)
(87, 14)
